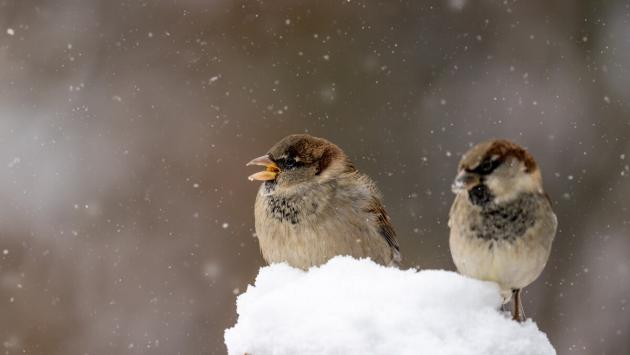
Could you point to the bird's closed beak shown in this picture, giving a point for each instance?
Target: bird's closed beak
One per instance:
(270, 172)
(464, 181)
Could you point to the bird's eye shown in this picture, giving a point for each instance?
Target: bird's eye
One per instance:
(487, 166)
(290, 163)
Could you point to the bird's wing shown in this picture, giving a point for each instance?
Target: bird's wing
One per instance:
(384, 225)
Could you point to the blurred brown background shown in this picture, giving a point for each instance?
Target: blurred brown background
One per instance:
(126, 219)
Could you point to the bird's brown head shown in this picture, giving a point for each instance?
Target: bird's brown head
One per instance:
(497, 170)
(300, 158)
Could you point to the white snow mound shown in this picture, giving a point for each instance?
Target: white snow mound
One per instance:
(350, 306)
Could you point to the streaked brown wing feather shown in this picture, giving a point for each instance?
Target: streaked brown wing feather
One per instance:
(384, 224)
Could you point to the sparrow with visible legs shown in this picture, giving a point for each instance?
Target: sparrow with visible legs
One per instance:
(501, 221)
(314, 205)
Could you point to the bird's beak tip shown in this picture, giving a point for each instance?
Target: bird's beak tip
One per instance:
(456, 188)
(264, 175)
(463, 181)
(270, 172)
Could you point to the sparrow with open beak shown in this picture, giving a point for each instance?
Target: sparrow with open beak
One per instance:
(313, 205)
(501, 221)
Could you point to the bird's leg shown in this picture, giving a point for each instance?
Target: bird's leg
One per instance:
(506, 296)
(522, 308)
(518, 307)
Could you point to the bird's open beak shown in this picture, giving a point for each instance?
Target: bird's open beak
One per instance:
(270, 172)
(464, 181)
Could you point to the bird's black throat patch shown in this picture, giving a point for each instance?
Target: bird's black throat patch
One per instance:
(509, 220)
(480, 195)
(284, 209)
(270, 186)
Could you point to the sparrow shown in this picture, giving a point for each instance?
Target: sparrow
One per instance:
(501, 222)
(313, 205)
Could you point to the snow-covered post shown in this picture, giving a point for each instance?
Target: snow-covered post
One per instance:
(350, 306)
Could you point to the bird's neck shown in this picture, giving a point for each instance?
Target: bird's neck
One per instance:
(298, 202)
